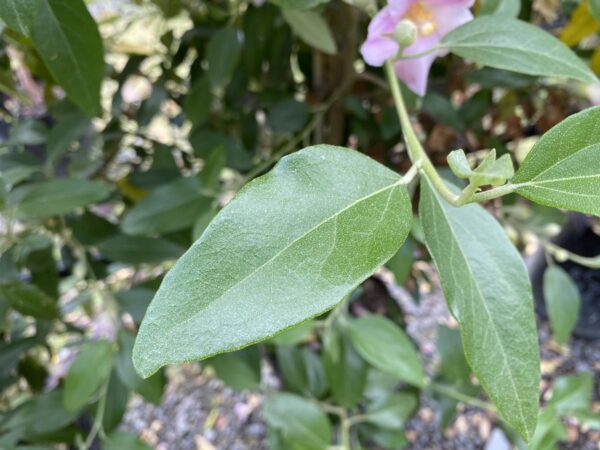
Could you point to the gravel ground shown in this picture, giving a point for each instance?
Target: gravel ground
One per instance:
(199, 413)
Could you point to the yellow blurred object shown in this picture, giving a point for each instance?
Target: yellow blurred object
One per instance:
(595, 63)
(581, 25)
(130, 191)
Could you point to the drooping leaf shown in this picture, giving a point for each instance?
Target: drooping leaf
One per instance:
(120, 440)
(151, 388)
(19, 14)
(239, 370)
(29, 300)
(346, 371)
(511, 44)
(67, 39)
(171, 207)
(302, 370)
(48, 198)
(222, 54)
(286, 249)
(197, 103)
(488, 291)
(138, 249)
(594, 6)
(508, 8)
(392, 411)
(572, 393)
(89, 371)
(312, 29)
(562, 170)
(384, 345)
(562, 302)
(298, 4)
(299, 420)
(41, 415)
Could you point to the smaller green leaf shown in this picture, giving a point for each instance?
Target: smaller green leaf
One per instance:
(594, 6)
(222, 54)
(68, 41)
(171, 207)
(299, 421)
(298, 4)
(302, 370)
(117, 397)
(384, 345)
(562, 302)
(41, 415)
(453, 365)
(562, 169)
(402, 262)
(239, 370)
(345, 370)
(548, 432)
(312, 29)
(28, 300)
(196, 104)
(511, 44)
(572, 393)
(508, 8)
(121, 440)
(48, 198)
(493, 171)
(138, 249)
(150, 388)
(67, 130)
(459, 164)
(392, 411)
(89, 371)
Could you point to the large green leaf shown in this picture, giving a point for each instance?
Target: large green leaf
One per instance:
(384, 345)
(171, 207)
(489, 293)
(19, 14)
(511, 44)
(290, 246)
(48, 198)
(89, 371)
(312, 29)
(299, 420)
(563, 168)
(67, 39)
(562, 302)
(29, 300)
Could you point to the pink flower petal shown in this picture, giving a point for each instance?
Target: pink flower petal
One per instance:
(377, 51)
(455, 3)
(399, 7)
(450, 17)
(415, 72)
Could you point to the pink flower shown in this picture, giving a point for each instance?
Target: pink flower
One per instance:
(433, 20)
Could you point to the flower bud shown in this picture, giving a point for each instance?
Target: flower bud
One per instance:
(405, 33)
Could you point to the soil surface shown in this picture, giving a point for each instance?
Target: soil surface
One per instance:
(199, 413)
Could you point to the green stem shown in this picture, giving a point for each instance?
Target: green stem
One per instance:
(561, 254)
(417, 154)
(97, 427)
(449, 391)
(415, 149)
(418, 55)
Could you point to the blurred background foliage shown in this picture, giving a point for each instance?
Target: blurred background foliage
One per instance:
(124, 130)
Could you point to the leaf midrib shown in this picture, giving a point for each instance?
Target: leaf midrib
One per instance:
(392, 186)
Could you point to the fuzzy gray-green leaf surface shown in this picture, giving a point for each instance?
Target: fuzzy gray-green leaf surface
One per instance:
(290, 246)
(487, 288)
(562, 170)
